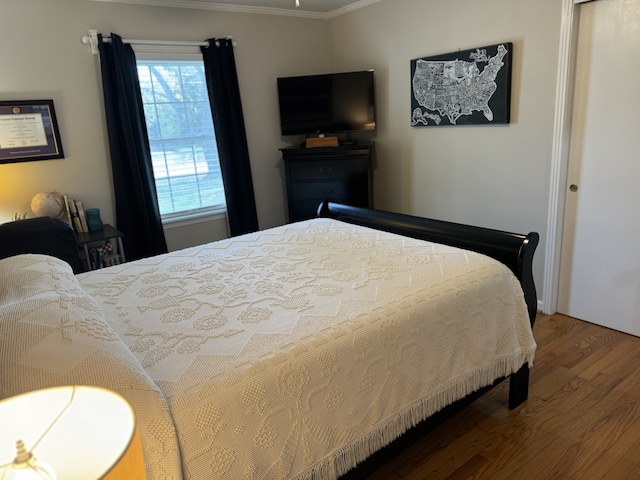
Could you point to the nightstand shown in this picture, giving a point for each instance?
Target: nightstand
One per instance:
(94, 247)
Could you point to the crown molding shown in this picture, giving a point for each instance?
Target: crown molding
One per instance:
(350, 8)
(225, 7)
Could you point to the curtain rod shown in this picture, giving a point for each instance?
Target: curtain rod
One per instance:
(92, 39)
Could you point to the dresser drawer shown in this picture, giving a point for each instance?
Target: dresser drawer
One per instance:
(303, 211)
(319, 191)
(341, 192)
(328, 169)
(307, 210)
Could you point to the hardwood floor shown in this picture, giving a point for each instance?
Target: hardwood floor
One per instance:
(582, 419)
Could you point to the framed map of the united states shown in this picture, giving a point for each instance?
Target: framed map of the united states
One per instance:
(467, 87)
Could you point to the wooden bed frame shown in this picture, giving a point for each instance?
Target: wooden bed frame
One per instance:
(512, 249)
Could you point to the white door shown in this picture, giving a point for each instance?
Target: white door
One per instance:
(600, 257)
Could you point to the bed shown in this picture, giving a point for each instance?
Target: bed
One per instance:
(294, 352)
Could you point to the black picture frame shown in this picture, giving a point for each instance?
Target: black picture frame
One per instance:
(468, 87)
(29, 131)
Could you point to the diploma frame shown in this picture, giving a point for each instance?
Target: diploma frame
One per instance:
(28, 131)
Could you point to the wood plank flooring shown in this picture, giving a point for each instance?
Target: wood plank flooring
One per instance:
(582, 419)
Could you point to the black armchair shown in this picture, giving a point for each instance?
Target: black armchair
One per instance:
(45, 235)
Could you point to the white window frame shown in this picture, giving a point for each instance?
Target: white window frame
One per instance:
(178, 53)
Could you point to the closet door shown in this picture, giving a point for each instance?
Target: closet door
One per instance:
(600, 259)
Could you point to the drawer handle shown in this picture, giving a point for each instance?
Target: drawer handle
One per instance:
(326, 170)
(326, 192)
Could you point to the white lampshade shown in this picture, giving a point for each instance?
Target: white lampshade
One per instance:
(80, 432)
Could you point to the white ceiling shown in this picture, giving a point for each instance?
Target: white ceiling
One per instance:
(307, 8)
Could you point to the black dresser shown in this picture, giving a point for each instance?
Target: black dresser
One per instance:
(340, 174)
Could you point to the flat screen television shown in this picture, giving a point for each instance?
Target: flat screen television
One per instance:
(329, 103)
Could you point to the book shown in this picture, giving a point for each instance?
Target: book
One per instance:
(66, 205)
(74, 216)
(82, 216)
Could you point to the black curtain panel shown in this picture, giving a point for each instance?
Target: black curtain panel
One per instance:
(137, 210)
(228, 121)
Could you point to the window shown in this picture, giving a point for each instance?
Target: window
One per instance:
(181, 137)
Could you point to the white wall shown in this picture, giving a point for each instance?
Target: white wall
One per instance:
(492, 176)
(42, 56)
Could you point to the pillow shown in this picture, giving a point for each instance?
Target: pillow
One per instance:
(52, 333)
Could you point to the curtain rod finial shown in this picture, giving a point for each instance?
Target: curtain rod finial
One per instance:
(92, 39)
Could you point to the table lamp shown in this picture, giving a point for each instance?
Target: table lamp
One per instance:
(69, 433)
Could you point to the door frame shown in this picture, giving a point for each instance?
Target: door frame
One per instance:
(560, 154)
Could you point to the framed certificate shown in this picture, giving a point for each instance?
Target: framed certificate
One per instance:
(28, 131)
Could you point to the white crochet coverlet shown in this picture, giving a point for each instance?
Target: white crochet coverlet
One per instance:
(298, 351)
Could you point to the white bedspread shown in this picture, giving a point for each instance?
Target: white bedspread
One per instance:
(52, 334)
(297, 351)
